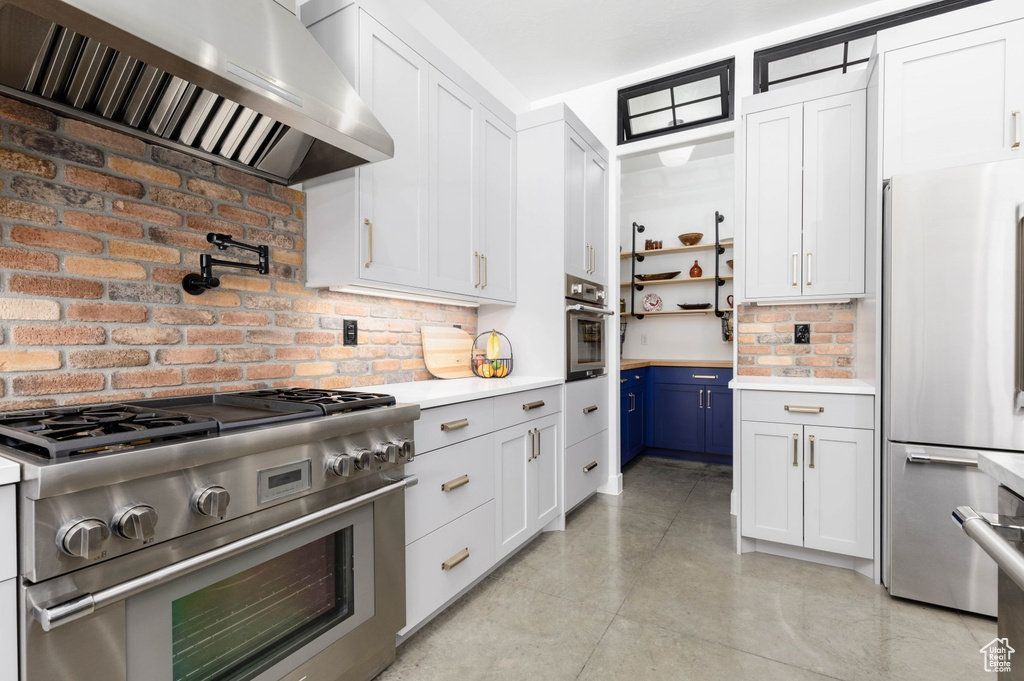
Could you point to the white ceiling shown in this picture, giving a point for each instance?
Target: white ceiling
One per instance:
(546, 47)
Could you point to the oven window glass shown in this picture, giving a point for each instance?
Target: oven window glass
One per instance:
(231, 629)
(589, 341)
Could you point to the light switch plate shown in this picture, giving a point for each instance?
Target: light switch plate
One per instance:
(350, 332)
(802, 334)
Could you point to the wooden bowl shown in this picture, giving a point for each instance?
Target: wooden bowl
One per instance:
(729, 263)
(691, 238)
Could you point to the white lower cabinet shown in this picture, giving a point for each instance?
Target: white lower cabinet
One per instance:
(584, 469)
(9, 629)
(808, 485)
(527, 477)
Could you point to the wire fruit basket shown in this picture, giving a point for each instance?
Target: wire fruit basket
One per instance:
(492, 355)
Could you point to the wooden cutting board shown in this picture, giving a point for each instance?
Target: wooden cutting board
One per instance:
(447, 351)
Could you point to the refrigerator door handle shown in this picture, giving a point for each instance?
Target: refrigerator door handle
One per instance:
(921, 457)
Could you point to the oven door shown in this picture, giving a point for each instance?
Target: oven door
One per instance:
(586, 338)
(320, 592)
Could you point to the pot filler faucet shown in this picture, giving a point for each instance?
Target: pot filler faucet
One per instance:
(195, 284)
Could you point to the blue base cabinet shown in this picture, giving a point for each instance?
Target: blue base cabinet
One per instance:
(690, 413)
(632, 410)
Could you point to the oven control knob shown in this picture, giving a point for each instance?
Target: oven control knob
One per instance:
(408, 449)
(341, 465)
(363, 459)
(388, 452)
(136, 522)
(600, 294)
(84, 538)
(211, 501)
(577, 288)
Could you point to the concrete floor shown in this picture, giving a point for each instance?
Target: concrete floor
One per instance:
(647, 585)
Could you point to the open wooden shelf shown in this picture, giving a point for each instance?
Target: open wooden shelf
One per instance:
(710, 310)
(710, 246)
(687, 280)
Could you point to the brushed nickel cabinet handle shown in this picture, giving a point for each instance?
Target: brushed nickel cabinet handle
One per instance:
(702, 398)
(796, 440)
(590, 466)
(796, 266)
(709, 398)
(533, 405)
(636, 376)
(455, 425)
(706, 377)
(591, 408)
(794, 409)
(456, 559)
(369, 247)
(1016, 130)
(622, 380)
(810, 438)
(809, 282)
(455, 484)
(477, 256)
(534, 444)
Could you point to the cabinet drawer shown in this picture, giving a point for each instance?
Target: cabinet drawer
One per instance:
(8, 536)
(516, 408)
(582, 420)
(582, 477)
(692, 376)
(631, 378)
(842, 411)
(442, 426)
(453, 481)
(428, 584)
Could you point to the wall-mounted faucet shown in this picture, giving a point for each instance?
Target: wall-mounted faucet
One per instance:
(196, 284)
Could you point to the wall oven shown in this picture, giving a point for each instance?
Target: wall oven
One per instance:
(586, 329)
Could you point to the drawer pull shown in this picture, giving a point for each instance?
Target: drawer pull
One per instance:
(706, 377)
(793, 409)
(533, 405)
(455, 484)
(811, 439)
(591, 408)
(796, 440)
(456, 425)
(456, 559)
(622, 380)
(590, 466)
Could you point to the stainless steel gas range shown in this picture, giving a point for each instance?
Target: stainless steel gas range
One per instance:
(241, 536)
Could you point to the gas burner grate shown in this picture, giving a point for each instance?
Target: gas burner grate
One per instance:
(65, 431)
(331, 401)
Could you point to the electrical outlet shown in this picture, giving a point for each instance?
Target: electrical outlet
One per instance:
(802, 334)
(643, 339)
(350, 331)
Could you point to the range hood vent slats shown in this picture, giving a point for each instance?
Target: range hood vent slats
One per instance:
(52, 64)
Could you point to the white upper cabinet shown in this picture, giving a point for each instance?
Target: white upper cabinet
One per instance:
(805, 190)
(586, 209)
(437, 218)
(597, 215)
(954, 101)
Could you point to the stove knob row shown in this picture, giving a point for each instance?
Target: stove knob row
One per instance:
(343, 465)
(211, 501)
(136, 522)
(83, 538)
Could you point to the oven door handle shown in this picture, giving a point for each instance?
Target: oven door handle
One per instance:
(984, 533)
(589, 310)
(62, 613)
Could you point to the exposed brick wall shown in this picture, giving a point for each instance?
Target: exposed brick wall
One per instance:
(764, 337)
(97, 230)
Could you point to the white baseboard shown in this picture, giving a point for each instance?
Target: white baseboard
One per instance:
(613, 485)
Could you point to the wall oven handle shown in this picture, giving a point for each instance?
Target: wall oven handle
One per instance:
(58, 615)
(914, 457)
(592, 310)
(984, 534)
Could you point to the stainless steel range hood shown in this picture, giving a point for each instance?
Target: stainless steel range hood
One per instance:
(238, 82)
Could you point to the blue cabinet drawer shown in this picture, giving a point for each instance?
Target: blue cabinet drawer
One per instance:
(692, 376)
(631, 378)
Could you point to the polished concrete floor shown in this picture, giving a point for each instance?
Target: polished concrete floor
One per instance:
(647, 585)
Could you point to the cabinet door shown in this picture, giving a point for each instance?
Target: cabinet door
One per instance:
(838, 498)
(833, 194)
(718, 420)
(625, 425)
(497, 207)
(635, 444)
(950, 102)
(452, 187)
(511, 485)
(577, 261)
(678, 417)
(772, 247)
(394, 82)
(544, 472)
(597, 216)
(771, 482)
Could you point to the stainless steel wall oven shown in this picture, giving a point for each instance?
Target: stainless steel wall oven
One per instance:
(586, 329)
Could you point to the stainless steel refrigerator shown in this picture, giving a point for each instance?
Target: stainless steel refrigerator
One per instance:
(953, 372)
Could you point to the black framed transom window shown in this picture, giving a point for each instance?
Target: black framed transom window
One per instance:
(689, 99)
(840, 51)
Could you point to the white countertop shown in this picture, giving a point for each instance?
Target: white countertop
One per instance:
(1006, 467)
(848, 386)
(439, 392)
(10, 471)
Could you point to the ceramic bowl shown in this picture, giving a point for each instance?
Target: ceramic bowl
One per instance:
(691, 238)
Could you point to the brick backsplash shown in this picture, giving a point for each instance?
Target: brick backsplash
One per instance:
(98, 229)
(764, 337)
